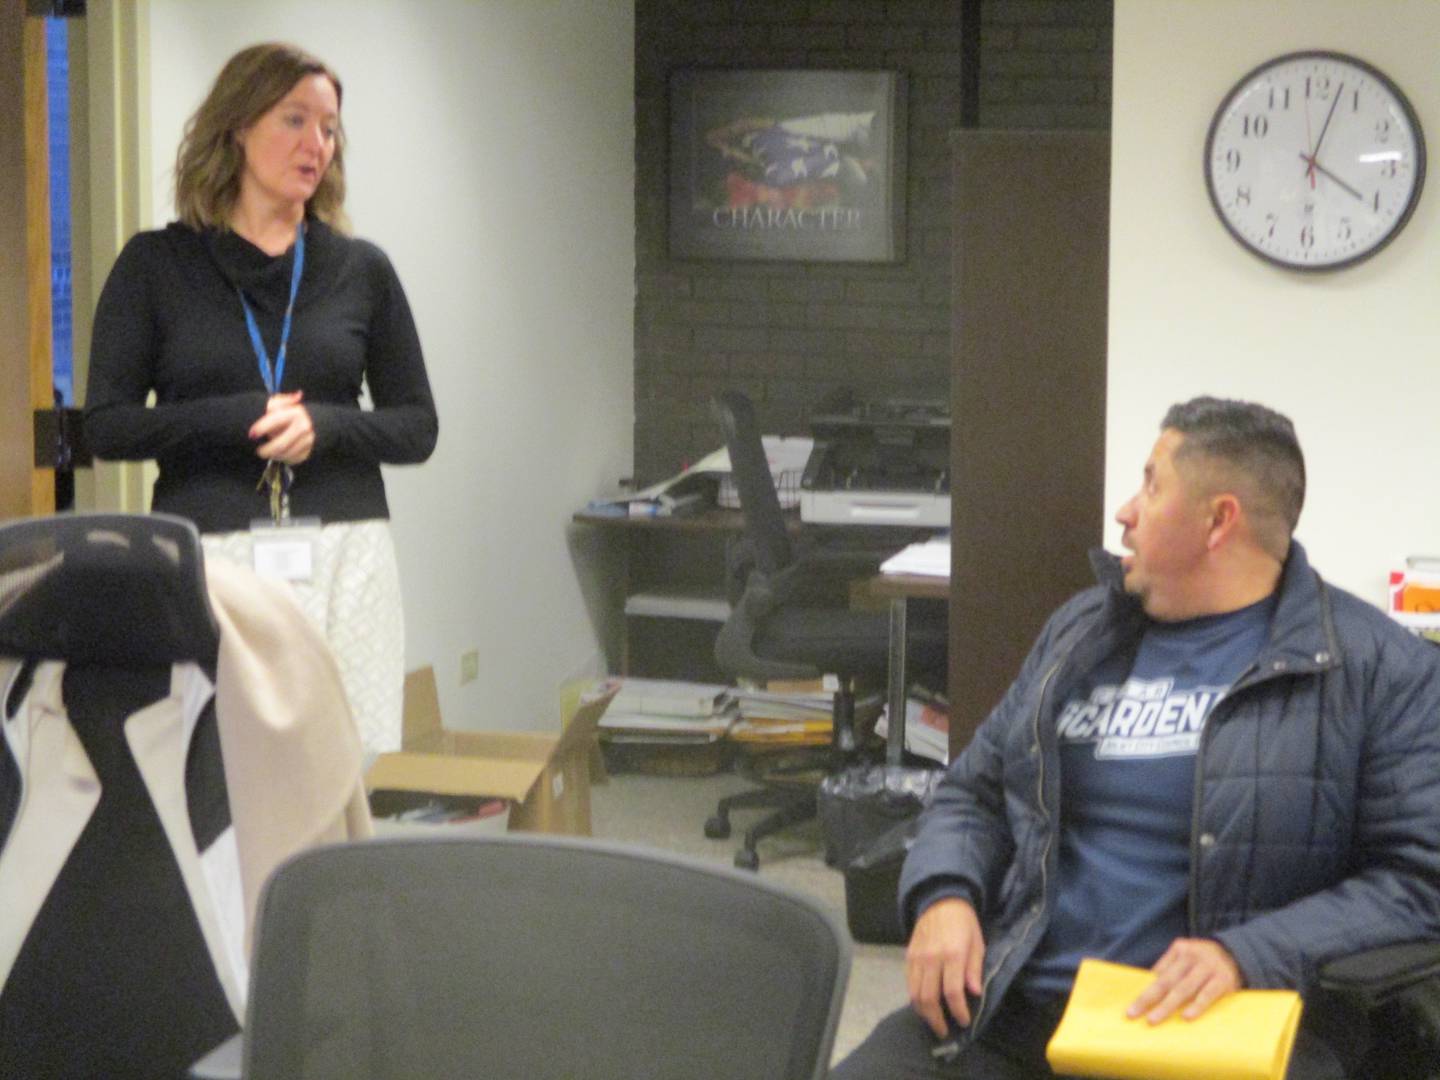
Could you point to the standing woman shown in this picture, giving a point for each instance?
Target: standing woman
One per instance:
(256, 320)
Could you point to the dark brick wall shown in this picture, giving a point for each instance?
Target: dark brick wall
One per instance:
(1045, 63)
(788, 333)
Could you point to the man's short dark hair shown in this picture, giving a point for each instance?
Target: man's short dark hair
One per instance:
(1260, 446)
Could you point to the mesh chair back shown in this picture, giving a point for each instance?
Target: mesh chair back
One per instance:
(759, 502)
(114, 589)
(535, 958)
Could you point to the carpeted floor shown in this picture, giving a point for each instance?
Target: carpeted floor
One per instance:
(669, 813)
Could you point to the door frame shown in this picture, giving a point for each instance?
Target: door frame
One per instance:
(25, 342)
(111, 85)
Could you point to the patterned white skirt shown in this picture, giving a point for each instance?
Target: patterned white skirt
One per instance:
(353, 596)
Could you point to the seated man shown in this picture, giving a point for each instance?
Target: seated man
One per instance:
(1213, 764)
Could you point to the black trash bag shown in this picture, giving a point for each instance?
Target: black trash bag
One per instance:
(872, 886)
(859, 804)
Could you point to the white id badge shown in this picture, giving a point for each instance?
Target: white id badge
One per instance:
(286, 551)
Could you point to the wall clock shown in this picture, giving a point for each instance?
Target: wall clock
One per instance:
(1315, 160)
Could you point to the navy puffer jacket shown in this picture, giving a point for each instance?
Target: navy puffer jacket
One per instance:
(1316, 829)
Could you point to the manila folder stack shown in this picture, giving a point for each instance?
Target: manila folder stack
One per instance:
(1244, 1036)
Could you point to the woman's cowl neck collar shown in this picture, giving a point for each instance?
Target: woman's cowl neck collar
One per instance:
(265, 279)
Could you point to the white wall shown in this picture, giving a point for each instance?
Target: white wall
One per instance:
(1350, 356)
(491, 154)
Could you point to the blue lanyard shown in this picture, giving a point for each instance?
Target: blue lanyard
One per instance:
(274, 378)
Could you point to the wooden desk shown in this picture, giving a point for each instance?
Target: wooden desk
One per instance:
(714, 519)
(900, 589)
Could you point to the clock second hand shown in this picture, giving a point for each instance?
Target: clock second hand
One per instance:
(1312, 166)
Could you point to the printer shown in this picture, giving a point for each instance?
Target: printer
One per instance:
(879, 463)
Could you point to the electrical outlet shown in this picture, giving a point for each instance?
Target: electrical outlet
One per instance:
(469, 666)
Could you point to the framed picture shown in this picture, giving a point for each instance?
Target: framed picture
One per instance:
(802, 165)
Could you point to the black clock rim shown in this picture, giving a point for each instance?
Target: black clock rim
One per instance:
(1400, 98)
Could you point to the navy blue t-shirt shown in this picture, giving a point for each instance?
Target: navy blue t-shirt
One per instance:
(1127, 785)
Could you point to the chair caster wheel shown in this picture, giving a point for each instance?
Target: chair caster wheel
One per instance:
(717, 827)
(747, 859)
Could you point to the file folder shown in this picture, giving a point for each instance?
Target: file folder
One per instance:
(1247, 1035)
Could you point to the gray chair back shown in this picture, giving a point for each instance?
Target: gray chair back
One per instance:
(537, 957)
(750, 469)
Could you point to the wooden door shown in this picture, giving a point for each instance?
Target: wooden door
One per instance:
(25, 361)
(1031, 236)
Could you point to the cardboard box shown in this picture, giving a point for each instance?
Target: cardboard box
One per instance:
(544, 777)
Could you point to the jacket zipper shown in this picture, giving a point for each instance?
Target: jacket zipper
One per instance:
(1039, 907)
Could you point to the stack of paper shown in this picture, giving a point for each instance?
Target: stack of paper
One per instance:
(927, 730)
(687, 492)
(792, 718)
(1247, 1035)
(466, 814)
(670, 711)
(708, 482)
(930, 558)
(786, 455)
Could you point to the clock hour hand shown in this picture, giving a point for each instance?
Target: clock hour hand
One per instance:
(1312, 166)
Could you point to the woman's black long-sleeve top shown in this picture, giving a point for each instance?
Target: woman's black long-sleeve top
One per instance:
(170, 320)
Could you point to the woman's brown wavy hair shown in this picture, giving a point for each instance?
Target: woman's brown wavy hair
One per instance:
(210, 160)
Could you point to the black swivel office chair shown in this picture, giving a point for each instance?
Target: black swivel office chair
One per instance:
(1398, 988)
(792, 620)
(529, 957)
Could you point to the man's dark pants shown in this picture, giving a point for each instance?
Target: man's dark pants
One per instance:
(1012, 1047)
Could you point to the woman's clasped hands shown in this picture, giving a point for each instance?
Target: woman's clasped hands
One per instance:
(285, 433)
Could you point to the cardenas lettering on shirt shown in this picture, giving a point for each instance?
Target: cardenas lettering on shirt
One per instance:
(1140, 718)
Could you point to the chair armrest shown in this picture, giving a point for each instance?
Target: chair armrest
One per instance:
(823, 574)
(735, 643)
(222, 1063)
(819, 576)
(1376, 975)
(847, 564)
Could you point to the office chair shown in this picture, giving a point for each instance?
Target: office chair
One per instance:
(109, 972)
(530, 957)
(792, 620)
(122, 872)
(1397, 988)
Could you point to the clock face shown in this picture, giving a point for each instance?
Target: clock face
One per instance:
(1315, 160)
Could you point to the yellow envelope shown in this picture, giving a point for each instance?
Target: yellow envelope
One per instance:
(1247, 1035)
